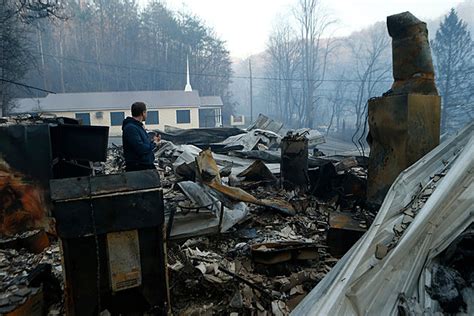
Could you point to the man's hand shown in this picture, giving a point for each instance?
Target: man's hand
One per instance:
(157, 138)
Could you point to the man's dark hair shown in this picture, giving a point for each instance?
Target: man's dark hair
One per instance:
(138, 108)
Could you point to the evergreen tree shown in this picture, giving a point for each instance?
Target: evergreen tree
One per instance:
(454, 53)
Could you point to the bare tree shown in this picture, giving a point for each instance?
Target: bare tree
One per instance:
(313, 23)
(337, 103)
(283, 51)
(297, 63)
(371, 74)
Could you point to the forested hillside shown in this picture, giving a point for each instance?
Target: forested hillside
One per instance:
(114, 45)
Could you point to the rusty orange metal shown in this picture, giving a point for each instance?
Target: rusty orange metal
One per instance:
(33, 306)
(37, 242)
(22, 204)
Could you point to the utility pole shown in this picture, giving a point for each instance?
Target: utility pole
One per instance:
(251, 94)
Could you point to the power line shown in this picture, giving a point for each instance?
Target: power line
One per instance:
(26, 86)
(251, 92)
(206, 74)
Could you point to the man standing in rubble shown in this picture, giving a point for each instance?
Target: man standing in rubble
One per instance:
(137, 145)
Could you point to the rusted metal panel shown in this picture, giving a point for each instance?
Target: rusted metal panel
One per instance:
(23, 205)
(123, 250)
(33, 306)
(31, 155)
(27, 149)
(25, 169)
(402, 130)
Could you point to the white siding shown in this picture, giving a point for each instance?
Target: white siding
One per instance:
(165, 116)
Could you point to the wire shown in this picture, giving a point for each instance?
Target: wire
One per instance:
(207, 75)
(26, 86)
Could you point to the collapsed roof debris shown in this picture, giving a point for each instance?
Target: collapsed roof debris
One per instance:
(254, 139)
(265, 123)
(199, 136)
(400, 263)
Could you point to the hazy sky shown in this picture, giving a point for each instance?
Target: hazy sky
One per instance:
(246, 24)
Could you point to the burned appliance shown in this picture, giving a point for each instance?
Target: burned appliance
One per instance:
(111, 231)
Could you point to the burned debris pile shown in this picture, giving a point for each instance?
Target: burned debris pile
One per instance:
(268, 262)
(243, 234)
(28, 279)
(416, 257)
(239, 240)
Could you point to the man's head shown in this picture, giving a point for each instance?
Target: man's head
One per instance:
(139, 111)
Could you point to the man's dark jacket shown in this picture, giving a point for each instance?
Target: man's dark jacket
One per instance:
(137, 146)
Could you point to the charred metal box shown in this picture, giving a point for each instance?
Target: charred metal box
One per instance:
(294, 162)
(343, 233)
(80, 142)
(33, 153)
(111, 231)
(41, 152)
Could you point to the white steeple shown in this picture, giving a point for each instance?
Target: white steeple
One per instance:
(188, 84)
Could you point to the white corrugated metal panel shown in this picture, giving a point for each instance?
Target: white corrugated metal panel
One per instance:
(360, 284)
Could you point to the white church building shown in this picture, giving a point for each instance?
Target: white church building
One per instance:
(176, 108)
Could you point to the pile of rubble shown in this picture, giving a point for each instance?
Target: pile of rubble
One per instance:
(266, 263)
(28, 279)
(416, 258)
(239, 242)
(33, 119)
